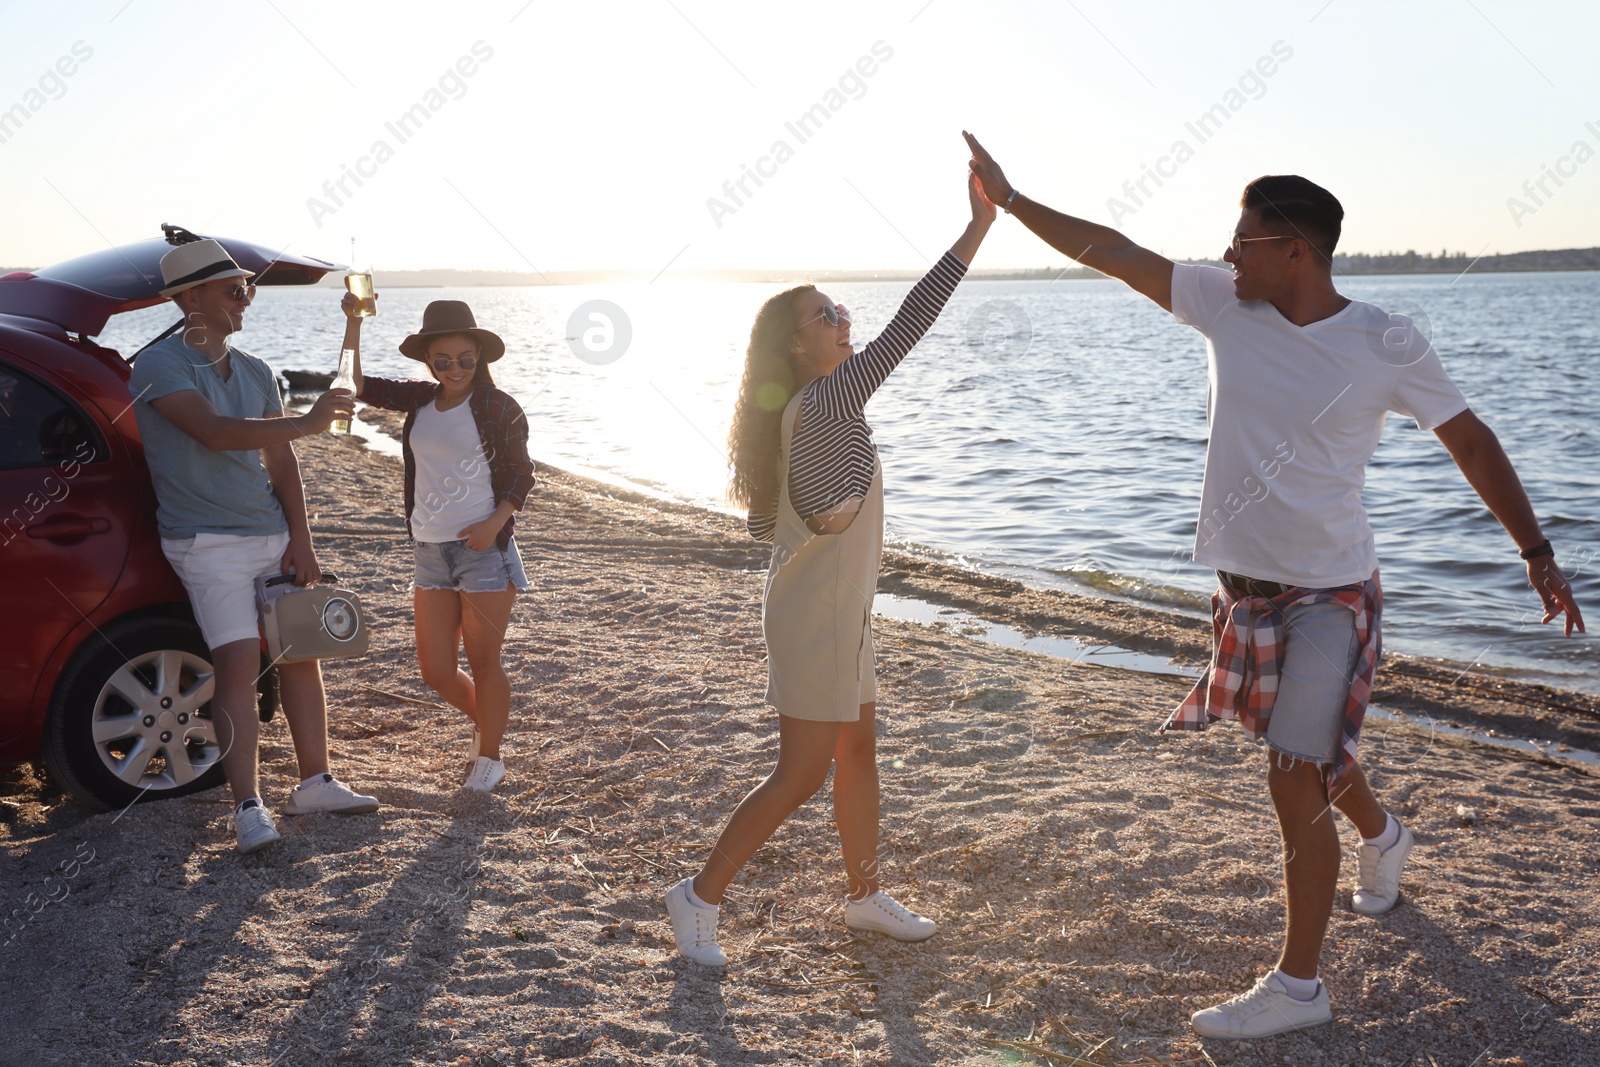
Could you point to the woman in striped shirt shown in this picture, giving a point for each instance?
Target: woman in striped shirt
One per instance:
(804, 465)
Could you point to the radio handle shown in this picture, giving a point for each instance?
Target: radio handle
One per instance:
(326, 579)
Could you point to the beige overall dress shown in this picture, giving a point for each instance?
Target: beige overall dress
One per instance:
(817, 612)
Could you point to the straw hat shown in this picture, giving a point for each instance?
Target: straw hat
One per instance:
(196, 263)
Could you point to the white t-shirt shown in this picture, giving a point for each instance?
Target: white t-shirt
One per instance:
(1295, 412)
(453, 489)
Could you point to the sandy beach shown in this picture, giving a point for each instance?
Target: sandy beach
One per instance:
(1096, 882)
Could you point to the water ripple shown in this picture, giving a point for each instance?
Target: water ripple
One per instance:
(1079, 458)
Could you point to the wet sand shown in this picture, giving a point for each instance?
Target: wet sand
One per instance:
(1095, 882)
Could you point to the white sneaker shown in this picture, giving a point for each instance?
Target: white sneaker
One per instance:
(1378, 874)
(486, 773)
(886, 915)
(254, 829)
(1267, 1009)
(327, 793)
(694, 928)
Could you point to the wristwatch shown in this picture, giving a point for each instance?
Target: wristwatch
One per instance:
(1009, 199)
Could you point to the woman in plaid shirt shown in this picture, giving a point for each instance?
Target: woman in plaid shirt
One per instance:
(467, 474)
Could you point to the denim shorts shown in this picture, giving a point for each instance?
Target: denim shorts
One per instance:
(452, 565)
(1320, 653)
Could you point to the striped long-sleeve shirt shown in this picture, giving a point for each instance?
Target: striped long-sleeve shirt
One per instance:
(831, 458)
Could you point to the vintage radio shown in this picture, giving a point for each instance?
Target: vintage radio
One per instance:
(319, 621)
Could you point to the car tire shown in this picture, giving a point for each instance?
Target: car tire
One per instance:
(130, 717)
(269, 694)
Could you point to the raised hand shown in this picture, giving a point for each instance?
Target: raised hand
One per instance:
(995, 186)
(983, 209)
(351, 306)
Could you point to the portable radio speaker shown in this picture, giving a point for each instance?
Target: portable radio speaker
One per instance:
(319, 621)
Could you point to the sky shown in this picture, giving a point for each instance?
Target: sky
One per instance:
(555, 137)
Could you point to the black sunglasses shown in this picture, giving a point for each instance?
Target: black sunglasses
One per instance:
(444, 363)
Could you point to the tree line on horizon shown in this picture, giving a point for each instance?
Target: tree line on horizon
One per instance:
(1407, 262)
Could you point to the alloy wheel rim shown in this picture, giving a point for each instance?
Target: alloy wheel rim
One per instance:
(149, 710)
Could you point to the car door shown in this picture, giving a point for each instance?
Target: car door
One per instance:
(66, 503)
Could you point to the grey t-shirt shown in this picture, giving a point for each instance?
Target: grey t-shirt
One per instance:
(198, 490)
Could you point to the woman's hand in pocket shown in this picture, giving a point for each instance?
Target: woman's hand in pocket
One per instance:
(481, 535)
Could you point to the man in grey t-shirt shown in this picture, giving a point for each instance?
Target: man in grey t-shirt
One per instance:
(231, 508)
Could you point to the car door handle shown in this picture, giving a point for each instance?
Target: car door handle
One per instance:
(68, 529)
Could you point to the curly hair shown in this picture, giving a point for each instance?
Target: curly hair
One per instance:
(764, 391)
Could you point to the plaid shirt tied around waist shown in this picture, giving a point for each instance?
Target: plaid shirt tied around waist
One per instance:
(1248, 646)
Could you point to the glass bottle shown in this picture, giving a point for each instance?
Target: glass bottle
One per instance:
(345, 379)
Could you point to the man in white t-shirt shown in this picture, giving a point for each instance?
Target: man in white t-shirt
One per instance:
(1301, 380)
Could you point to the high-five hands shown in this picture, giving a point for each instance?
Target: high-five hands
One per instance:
(987, 171)
(983, 209)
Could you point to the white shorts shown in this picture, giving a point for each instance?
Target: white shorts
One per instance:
(220, 572)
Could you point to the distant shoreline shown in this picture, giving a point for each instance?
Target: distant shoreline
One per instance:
(1078, 274)
(1363, 264)
(1351, 265)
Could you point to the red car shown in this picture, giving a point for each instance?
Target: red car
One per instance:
(103, 671)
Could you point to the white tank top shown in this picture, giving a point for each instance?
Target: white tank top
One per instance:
(452, 490)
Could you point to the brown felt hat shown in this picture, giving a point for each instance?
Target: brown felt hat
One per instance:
(451, 316)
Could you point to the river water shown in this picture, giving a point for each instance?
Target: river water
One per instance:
(1055, 432)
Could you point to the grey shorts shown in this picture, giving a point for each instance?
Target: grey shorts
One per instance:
(452, 565)
(1320, 653)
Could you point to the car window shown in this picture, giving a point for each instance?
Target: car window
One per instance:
(41, 428)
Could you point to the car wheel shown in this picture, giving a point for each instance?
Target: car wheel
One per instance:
(131, 716)
(269, 694)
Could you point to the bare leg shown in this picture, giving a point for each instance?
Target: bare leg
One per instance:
(855, 801)
(305, 705)
(1358, 803)
(234, 715)
(1310, 863)
(438, 624)
(805, 749)
(484, 617)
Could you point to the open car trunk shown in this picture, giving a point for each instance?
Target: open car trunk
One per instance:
(80, 295)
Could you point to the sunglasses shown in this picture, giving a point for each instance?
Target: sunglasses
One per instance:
(833, 313)
(1236, 246)
(241, 294)
(444, 363)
